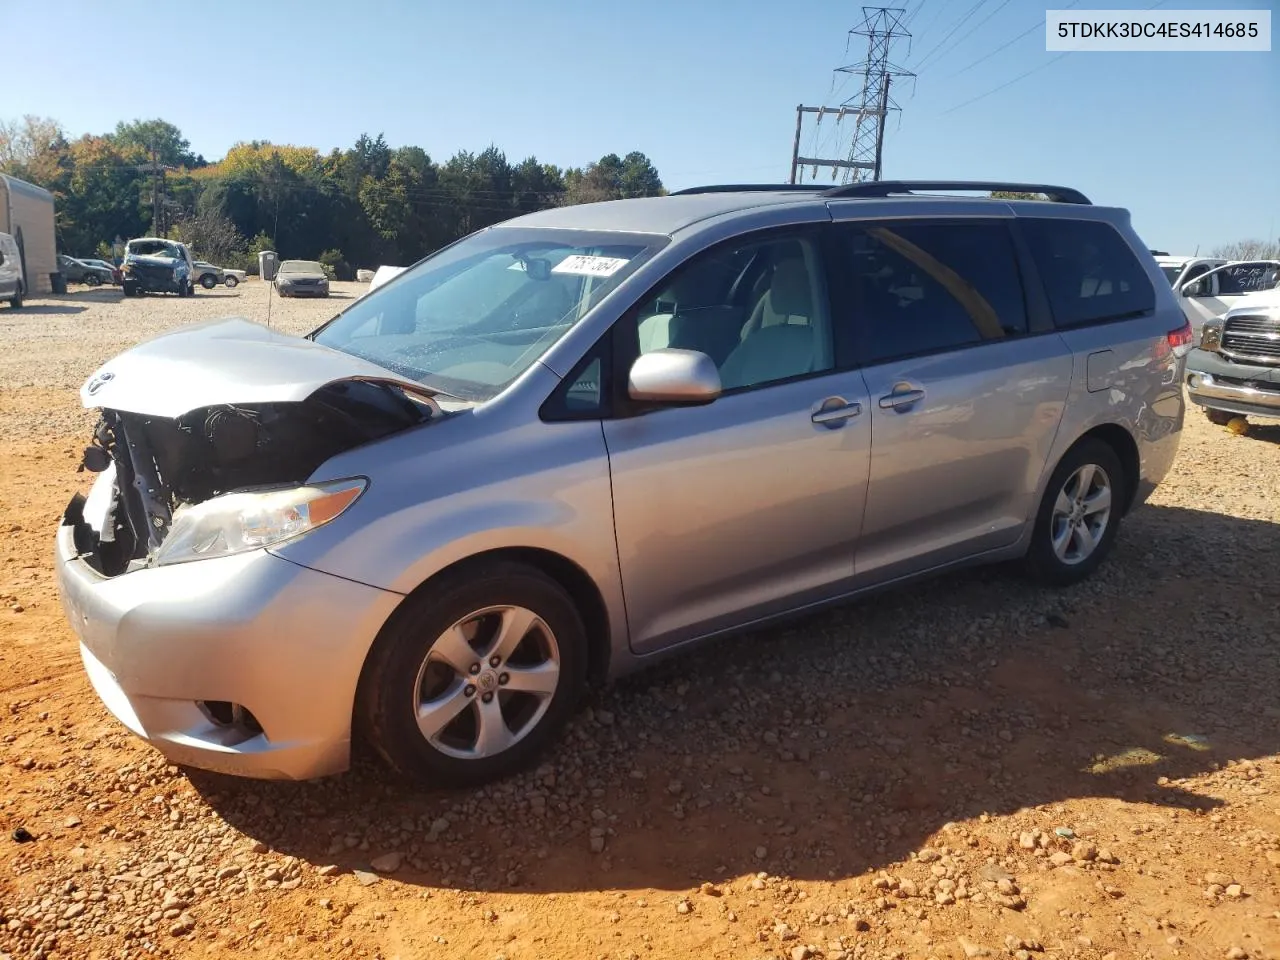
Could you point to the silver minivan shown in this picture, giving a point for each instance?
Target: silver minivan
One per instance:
(572, 443)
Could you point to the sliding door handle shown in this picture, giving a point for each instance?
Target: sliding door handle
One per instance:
(903, 396)
(835, 411)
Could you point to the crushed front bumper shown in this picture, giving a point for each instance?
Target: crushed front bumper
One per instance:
(1220, 384)
(173, 650)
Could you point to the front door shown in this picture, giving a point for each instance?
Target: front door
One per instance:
(750, 505)
(965, 394)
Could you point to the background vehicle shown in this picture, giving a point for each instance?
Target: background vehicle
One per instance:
(733, 405)
(1216, 291)
(206, 274)
(93, 262)
(153, 264)
(302, 278)
(77, 271)
(1180, 269)
(1235, 371)
(11, 279)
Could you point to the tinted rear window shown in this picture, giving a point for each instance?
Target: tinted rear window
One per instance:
(921, 287)
(1090, 274)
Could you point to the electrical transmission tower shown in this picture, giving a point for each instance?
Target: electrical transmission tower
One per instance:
(868, 108)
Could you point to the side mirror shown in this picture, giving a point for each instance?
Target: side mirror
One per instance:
(1193, 288)
(674, 376)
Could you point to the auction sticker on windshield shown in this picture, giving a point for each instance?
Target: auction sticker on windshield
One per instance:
(587, 266)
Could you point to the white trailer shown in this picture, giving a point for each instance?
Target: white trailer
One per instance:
(26, 213)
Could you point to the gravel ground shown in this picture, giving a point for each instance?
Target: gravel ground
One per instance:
(971, 767)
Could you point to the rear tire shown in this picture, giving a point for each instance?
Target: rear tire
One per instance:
(420, 702)
(1219, 417)
(231, 281)
(1079, 516)
(208, 281)
(129, 289)
(93, 280)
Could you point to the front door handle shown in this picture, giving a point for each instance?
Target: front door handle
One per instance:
(835, 411)
(904, 395)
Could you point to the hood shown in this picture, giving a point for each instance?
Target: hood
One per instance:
(232, 361)
(1262, 300)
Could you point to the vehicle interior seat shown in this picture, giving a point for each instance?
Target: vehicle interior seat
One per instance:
(778, 341)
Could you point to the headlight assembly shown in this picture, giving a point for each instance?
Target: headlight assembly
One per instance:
(249, 520)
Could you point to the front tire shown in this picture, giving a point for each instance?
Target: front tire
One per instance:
(473, 676)
(93, 280)
(129, 290)
(16, 300)
(231, 281)
(1079, 516)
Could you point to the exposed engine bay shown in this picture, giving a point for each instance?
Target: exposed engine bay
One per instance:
(160, 464)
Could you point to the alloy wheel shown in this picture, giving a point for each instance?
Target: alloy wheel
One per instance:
(1081, 513)
(486, 682)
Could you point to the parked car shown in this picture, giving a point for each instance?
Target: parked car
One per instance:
(1235, 370)
(156, 265)
(302, 278)
(12, 281)
(417, 524)
(78, 271)
(206, 274)
(1216, 291)
(104, 265)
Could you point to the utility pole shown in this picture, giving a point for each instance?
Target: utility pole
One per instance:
(869, 107)
(158, 191)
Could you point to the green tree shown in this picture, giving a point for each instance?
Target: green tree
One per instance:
(171, 147)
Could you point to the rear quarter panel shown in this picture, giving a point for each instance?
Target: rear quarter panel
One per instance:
(1125, 373)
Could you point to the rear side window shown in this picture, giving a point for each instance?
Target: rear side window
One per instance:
(924, 287)
(1090, 273)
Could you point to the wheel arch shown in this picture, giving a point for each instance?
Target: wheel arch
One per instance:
(573, 579)
(1125, 448)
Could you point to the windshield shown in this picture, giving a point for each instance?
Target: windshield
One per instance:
(473, 317)
(301, 266)
(1172, 273)
(152, 248)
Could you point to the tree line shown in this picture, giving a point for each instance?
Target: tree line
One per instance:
(359, 207)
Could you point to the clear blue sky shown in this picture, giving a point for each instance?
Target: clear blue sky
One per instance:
(1189, 142)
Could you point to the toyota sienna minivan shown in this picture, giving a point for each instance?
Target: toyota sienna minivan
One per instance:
(579, 440)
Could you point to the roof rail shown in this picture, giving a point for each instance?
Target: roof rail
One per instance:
(888, 188)
(748, 188)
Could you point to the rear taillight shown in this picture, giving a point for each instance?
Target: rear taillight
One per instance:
(1180, 340)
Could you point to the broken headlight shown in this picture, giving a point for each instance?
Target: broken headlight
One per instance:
(249, 520)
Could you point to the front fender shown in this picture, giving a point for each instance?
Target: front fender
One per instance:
(537, 486)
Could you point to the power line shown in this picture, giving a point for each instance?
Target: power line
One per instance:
(971, 30)
(1022, 76)
(1007, 44)
(950, 33)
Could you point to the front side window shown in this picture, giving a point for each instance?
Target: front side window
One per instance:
(474, 316)
(920, 287)
(757, 308)
(1090, 273)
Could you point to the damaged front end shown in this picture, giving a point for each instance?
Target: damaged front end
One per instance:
(225, 478)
